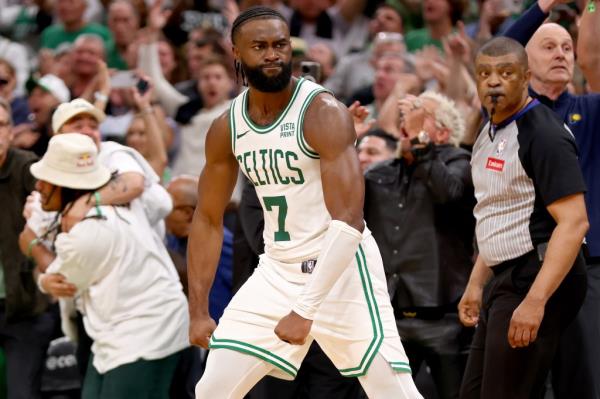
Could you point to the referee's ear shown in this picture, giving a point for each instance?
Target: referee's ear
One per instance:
(527, 76)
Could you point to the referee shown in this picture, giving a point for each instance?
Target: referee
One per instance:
(531, 221)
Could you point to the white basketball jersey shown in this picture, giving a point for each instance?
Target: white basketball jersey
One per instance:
(286, 174)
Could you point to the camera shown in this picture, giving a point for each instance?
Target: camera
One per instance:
(142, 86)
(311, 70)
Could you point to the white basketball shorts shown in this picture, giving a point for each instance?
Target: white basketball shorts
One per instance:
(353, 324)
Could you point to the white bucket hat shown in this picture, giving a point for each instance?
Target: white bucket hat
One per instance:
(71, 161)
(66, 111)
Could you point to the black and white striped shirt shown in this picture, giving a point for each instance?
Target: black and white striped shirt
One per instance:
(530, 163)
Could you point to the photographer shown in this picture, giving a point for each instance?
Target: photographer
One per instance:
(419, 208)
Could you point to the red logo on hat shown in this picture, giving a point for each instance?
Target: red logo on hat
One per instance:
(85, 160)
(495, 164)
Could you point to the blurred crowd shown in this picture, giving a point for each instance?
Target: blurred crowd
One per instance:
(146, 78)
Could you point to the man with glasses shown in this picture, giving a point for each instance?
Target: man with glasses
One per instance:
(9, 92)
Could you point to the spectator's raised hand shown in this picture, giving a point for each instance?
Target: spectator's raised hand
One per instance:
(157, 16)
(406, 104)
(458, 46)
(103, 76)
(424, 60)
(230, 11)
(98, 89)
(142, 92)
(359, 115)
(45, 61)
(441, 73)
(407, 83)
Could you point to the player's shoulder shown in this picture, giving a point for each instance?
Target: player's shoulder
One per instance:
(325, 107)
(328, 124)
(221, 122)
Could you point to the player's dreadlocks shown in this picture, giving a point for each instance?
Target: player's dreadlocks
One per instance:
(256, 12)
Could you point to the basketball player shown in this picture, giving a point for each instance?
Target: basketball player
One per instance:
(321, 276)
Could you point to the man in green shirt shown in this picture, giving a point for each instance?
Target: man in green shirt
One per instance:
(123, 20)
(72, 24)
(440, 17)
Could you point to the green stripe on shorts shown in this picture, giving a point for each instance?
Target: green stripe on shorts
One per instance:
(401, 366)
(243, 347)
(376, 323)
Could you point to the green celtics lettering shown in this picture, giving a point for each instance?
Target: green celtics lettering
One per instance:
(269, 166)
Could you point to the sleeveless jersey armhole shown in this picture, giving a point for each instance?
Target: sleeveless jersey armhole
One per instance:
(232, 125)
(304, 146)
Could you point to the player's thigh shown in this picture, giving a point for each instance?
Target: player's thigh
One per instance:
(248, 324)
(356, 320)
(230, 374)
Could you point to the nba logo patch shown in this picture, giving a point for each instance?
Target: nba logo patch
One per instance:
(308, 266)
(495, 164)
(501, 146)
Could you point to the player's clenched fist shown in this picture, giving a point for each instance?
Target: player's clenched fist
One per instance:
(200, 331)
(293, 329)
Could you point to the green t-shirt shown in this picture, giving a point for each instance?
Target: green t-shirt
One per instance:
(417, 39)
(114, 60)
(54, 35)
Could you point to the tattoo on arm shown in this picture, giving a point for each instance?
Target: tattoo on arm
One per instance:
(118, 184)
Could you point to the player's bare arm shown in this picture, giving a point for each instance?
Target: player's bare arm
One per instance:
(206, 234)
(571, 226)
(329, 130)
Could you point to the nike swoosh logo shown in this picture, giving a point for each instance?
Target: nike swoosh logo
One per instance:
(239, 136)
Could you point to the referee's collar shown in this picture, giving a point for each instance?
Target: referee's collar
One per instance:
(494, 127)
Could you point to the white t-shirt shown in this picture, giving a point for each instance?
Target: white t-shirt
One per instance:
(191, 158)
(128, 289)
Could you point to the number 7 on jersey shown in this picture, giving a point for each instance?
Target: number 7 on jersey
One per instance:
(279, 202)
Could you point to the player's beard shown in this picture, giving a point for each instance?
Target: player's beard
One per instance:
(268, 84)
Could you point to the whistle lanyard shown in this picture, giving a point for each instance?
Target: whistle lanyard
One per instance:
(495, 127)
